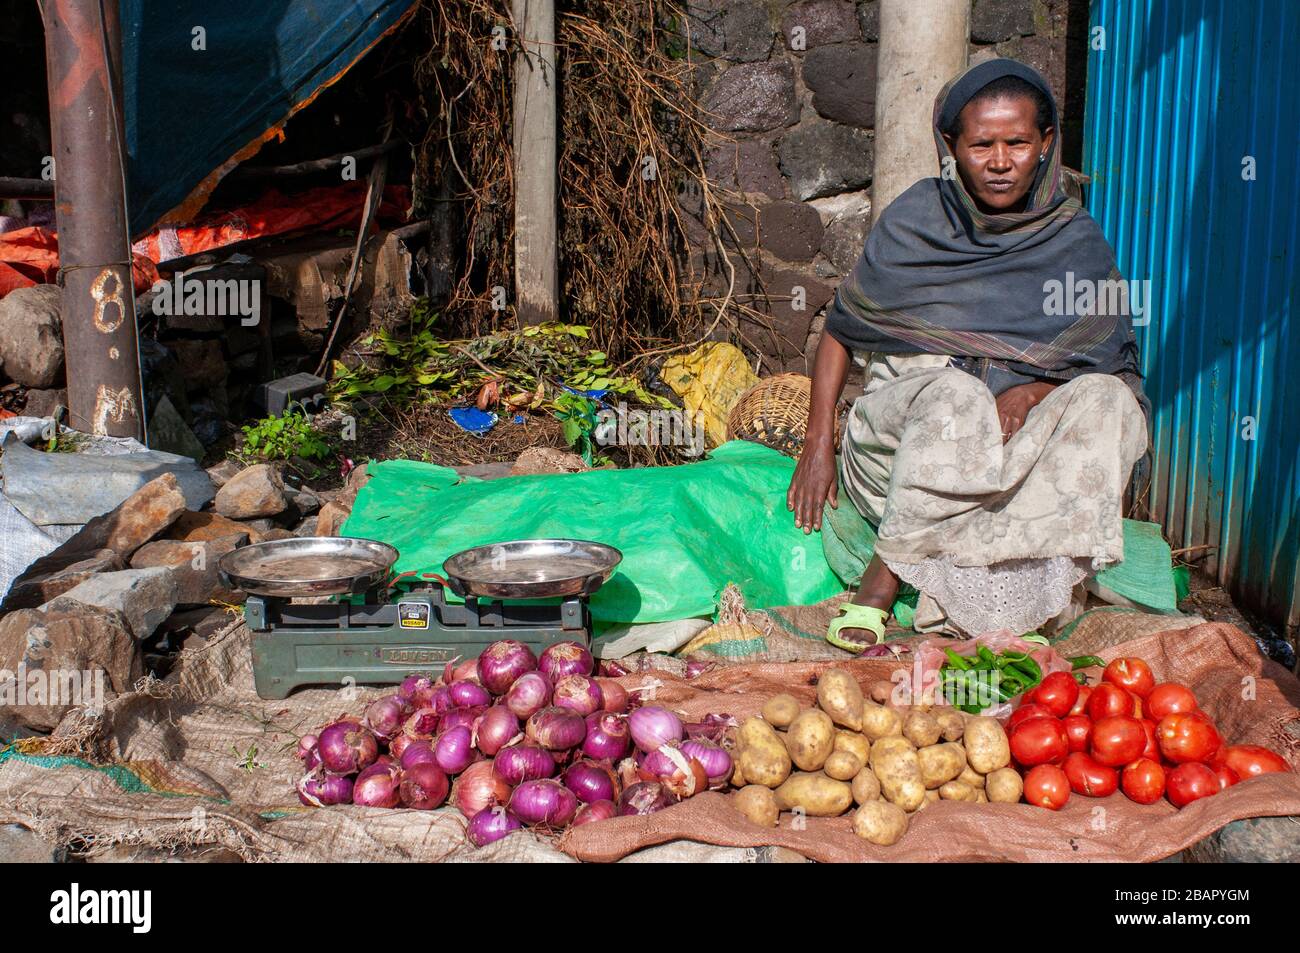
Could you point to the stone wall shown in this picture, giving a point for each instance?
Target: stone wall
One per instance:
(789, 88)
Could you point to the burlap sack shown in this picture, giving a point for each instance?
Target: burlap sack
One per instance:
(1253, 701)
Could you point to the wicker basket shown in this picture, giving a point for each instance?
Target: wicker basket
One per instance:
(774, 412)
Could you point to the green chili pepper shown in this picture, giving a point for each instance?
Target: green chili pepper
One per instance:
(987, 656)
(957, 661)
(1081, 678)
(1030, 668)
(1086, 661)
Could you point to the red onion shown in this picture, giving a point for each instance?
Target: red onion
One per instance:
(577, 693)
(714, 758)
(544, 802)
(422, 725)
(564, 658)
(683, 776)
(384, 716)
(502, 662)
(652, 727)
(595, 811)
(461, 716)
(644, 798)
(696, 668)
(318, 789)
(590, 781)
(491, 824)
(530, 692)
(423, 787)
(607, 736)
(454, 749)
(401, 741)
(465, 694)
(713, 727)
(613, 694)
(556, 729)
(495, 729)
(377, 786)
(440, 700)
(459, 670)
(479, 787)
(612, 668)
(417, 752)
(416, 690)
(524, 763)
(346, 747)
(309, 751)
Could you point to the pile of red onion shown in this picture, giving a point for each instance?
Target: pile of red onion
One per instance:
(514, 741)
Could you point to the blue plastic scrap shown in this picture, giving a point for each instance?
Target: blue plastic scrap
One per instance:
(472, 420)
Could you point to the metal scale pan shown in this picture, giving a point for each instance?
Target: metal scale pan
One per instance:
(532, 569)
(309, 566)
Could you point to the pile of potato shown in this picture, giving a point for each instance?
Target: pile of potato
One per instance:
(851, 750)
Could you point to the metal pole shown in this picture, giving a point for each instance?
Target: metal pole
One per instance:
(99, 332)
(536, 257)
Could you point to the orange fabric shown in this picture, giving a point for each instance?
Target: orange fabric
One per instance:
(30, 256)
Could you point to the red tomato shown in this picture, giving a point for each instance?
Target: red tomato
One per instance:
(1143, 781)
(1057, 693)
(1187, 736)
(1130, 674)
(1078, 731)
(1227, 777)
(1117, 740)
(1250, 761)
(1169, 698)
(1024, 713)
(1190, 782)
(1107, 700)
(1047, 786)
(1081, 703)
(1152, 750)
(1039, 741)
(1089, 778)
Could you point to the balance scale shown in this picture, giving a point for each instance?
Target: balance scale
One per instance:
(333, 639)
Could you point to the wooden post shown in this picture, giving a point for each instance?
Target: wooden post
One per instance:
(536, 237)
(923, 44)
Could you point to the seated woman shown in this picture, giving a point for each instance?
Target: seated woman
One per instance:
(998, 429)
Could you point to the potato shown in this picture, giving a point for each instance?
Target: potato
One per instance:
(880, 722)
(951, 723)
(758, 804)
(921, 728)
(880, 690)
(737, 776)
(854, 743)
(986, 745)
(780, 710)
(842, 765)
(880, 822)
(1004, 786)
(818, 795)
(811, 739)
(981, 797)
(763, 758)
(899, 771)
(839, 695)
(940, 763)
(865, 787)
(957, 791)
(970, 776)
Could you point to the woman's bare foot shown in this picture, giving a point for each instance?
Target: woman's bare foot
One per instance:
(878, 589)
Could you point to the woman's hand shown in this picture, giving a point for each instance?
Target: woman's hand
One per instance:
(1015, 403)
(815, 481)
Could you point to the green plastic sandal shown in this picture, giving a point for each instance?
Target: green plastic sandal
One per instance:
(854, 616)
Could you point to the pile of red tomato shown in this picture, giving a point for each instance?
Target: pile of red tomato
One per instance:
(1128, 734)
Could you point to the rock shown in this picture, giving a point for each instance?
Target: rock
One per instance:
(306, 528)
(193, 566)
(144, 596)
(304, 501)
(41, 589)
(753, 97)
(71, 655)
(255, 492)
(484, 471)
(842, 78)
(222, 472)
(31, 335)
(277, 532)
(170, 433)
(747, 165)
(740, 32)
(785, 339)
(193, 527)
(331, 516)
(992, 21)
(357, 478)
(791, 231)
(260, 526)
(547, 460)
(848, 220)
(42, 403)
(869, 20)
(822, 22)
(202, 363)
(18, 845)
(1268, 840)
(823, 158)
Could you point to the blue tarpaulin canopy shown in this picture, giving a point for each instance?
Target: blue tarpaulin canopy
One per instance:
(206, 83)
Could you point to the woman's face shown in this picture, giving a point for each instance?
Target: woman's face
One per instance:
(998, 150)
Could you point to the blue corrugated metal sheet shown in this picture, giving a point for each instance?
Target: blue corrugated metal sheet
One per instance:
(1184, 96)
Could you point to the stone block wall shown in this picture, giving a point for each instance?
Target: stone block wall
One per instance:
(788, 87)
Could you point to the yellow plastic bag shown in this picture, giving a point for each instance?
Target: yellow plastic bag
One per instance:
(709, 381)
